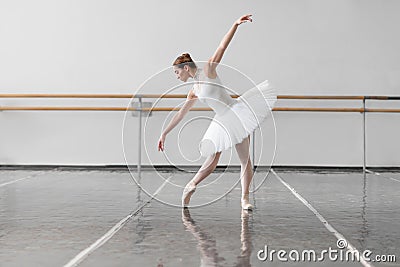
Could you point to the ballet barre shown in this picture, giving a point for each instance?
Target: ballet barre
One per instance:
(80, 108)
(332, 97)
(140, 109)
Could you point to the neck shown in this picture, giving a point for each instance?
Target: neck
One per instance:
(192, 72)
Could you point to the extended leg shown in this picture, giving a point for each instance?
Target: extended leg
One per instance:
(205, 170)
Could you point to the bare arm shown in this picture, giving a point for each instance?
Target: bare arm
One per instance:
(190, 101)
(216, 58)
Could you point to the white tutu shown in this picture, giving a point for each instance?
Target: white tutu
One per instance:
(238, 120)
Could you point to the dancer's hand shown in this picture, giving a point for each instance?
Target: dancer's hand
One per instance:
(161, 142)
(243, 19)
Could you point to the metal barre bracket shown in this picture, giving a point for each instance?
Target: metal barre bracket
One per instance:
(139, 105)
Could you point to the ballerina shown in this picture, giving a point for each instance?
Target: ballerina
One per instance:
(234, 121)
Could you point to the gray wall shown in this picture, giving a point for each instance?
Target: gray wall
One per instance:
(303, 47)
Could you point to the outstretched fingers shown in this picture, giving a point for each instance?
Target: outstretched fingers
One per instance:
(160, 145)
(245, 18)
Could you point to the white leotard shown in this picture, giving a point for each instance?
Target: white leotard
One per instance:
(211, 92)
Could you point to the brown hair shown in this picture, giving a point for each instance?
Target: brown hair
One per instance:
(183, 60)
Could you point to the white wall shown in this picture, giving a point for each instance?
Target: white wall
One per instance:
(335, 47)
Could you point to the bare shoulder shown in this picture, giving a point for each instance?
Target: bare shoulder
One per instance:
(209, 70)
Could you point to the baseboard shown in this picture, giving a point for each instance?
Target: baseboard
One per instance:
(192, 168)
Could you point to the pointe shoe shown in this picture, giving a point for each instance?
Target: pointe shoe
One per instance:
(245, 202)
(187, 193)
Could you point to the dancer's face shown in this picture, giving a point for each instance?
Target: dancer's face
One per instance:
(182, 73)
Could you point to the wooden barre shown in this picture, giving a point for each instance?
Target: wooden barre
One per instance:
(184, 96)
(129, 96)
(321, 97)
(17, 108)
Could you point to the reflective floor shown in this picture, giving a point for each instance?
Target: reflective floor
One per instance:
(102, 218)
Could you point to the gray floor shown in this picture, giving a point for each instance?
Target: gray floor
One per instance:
(54, 218)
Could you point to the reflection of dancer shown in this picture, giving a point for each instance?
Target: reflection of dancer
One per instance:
(245, 239)
(207, 245)
(234, 121)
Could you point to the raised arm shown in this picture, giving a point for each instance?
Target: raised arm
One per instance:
(190, 101)
(216, 58)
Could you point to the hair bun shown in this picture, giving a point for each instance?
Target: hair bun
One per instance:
(184, 58)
